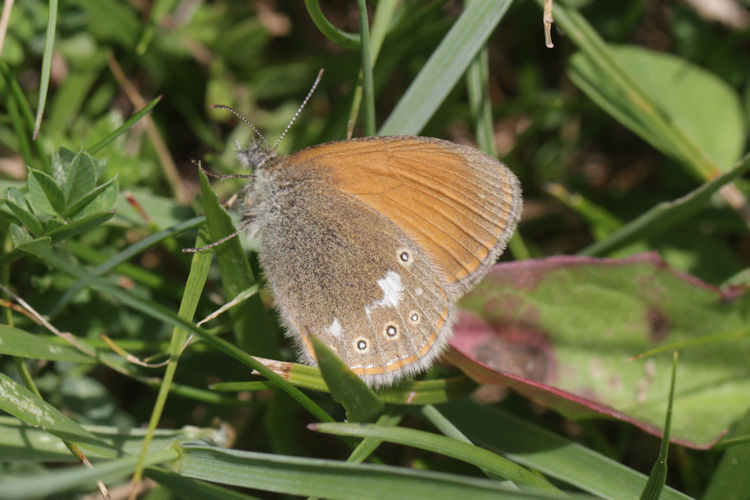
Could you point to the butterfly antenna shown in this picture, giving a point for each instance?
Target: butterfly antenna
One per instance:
(299, 110)
(247, 122)
(217, 242)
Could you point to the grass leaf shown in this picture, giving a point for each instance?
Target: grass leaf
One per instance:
(361, 403)
(28, 407)
(665, 214)
(252, 326)
(445, 66)
(485, 460)
(331, 479)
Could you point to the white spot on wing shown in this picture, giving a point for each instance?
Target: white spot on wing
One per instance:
(334, 329)
(393, 291)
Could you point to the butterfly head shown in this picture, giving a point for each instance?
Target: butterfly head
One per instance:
(256, 155)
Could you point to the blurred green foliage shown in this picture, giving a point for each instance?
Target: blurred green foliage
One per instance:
(585, 172)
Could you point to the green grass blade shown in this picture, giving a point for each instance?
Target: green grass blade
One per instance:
(444, 67)
(636, 107)
(122, 257)
(443, 424)
(361, 404)
(16, 121)
(22, 119)
(380, 23)
(658, 477)
(368, 445)
(18, 96)
(196, 280)
(409, 392)
(23, 344)
(341, 38)
(21, 442)
(477, 85)
(547, 452)
(49, 45)
(79, 226)
(366, 63)
(166, 315)
(666, 214)
(183, 487)
(28, 407)
(466, 452)
(97, 147)
(332, 479)
(252, 326)
(52, 483)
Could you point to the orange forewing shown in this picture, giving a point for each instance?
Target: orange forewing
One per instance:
(453, 201)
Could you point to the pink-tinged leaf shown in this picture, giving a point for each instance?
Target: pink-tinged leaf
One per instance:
(562, 331)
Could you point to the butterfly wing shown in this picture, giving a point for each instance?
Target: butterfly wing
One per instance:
(349, 275)
(459, 205)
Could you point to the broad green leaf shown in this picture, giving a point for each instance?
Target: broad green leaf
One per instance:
(731, 475)
(79, 226)
(26, 406)
(17, 204)
(14, 195)
(562, 331)
(23, 241)
(81, 178)
(15, 342)
(45, 196)
(62, 159)
(37, 246)
(100, 199)
(690, 96)
(19, 235)
(362, 405)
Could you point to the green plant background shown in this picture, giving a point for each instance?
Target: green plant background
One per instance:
(638, 104)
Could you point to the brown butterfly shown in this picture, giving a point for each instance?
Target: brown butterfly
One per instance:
(368, 243)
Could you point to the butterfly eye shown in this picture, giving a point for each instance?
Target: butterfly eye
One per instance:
(404, 256)
(361, 345)
(391, 331)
